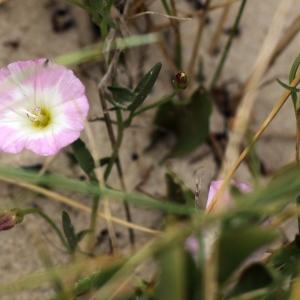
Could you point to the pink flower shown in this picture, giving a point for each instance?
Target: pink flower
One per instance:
(192, 243)
(226, 199)
(43, 107)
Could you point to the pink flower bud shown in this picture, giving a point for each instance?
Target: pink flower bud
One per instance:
(9, 218)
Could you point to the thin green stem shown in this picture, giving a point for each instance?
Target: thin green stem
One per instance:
(93, 220)
(88, 188)
(166, 6)
(158, 103)
(226, 50)
(48, 220)
(115, 158)
(117, 145)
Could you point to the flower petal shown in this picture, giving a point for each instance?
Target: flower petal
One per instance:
(226, 199)
(27, 85)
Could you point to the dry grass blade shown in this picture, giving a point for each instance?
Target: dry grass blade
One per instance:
(244, 110)
(289, 35)
(243, 114)
(282, 100)
(196, 46)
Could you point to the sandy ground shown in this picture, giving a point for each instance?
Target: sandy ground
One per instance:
(27, 31)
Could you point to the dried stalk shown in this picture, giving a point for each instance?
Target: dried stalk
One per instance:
(196, 46)
(288, 36)
(282, 100)
(251, 90)
(214, 44)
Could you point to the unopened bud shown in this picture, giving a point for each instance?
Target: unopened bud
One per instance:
(180, 81)
(9, 218)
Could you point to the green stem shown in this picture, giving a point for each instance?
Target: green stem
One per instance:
(147, 202)
(19, 176)
(158, 103)
(48, 220)
(117, 145)
(225, 53)
(115, 158)
(166, 6)
(93, 221)
(164, 100)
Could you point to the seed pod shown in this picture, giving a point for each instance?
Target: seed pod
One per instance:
(180, 81)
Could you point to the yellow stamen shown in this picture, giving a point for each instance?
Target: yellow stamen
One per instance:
(40, 117)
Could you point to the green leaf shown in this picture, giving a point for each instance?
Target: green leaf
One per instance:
(294, 99)
(237, 244)
(281, 190)
(290, 88)
(172, 281)
(121, 94)
(104, 161)
(84, 158)
(189, 123)
(256, 276)
(294, 69)
(144, 87)
(95, 281)
(194, 278)
(100, 12)
(81, 234)
(177, 191)
(286, 259)
(69, 231)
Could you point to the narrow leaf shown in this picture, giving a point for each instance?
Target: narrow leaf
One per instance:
(69, 231)
(121, 94)
(294, 69)
(290, 88)
(81, 234)
(172, 280)
(84, 158)
(145, 86)
(97, 280)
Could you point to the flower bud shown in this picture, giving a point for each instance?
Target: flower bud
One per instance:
(180, 81)
(9, 218)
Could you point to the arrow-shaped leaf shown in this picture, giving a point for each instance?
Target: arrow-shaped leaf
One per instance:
(145, 86)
